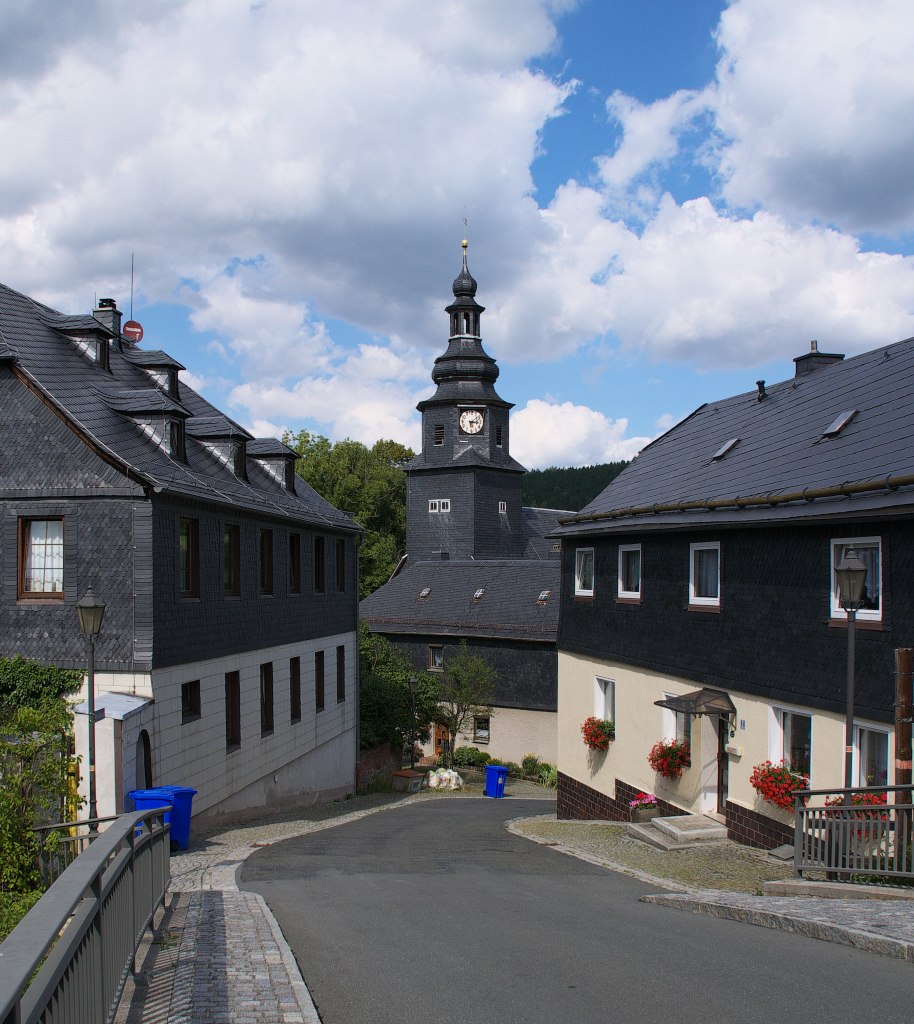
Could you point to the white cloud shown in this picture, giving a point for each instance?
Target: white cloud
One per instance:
(192, 380)
(544, 434)
(665, 422)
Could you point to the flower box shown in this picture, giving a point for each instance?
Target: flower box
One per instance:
(776, 783)
(646, 813)
(598, 733)
(668, 759)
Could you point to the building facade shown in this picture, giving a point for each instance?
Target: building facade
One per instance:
(227, 658)
(709, 564)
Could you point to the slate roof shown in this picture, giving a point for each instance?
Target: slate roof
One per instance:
(538, 523)
(96, 403)
(466, 455)
(781, 450)
(153, 358)
(508, 609)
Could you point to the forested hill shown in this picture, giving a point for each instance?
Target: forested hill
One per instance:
(569, 489)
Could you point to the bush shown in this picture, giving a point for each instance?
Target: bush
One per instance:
(549, 775)
(13, 908)
(466, 757)
(530, 764)
(28, 684)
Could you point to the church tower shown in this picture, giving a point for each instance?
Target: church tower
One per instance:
(464, 490)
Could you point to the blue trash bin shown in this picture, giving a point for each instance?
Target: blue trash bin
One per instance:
(495, 780)
(181, 798)
(146, 799)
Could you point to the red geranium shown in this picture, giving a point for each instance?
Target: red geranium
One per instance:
(776, 783)
(668, 759)
(598, 733)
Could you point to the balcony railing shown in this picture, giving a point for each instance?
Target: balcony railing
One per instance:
(86, 928)
(856, 842)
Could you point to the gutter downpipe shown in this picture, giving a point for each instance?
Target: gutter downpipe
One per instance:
(358, 674)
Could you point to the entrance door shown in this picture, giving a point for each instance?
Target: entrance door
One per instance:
(723, 764)
(442, 740)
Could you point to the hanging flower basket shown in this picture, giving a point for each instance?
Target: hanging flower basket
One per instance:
(668, 759)
(598, 733)
(776, 783)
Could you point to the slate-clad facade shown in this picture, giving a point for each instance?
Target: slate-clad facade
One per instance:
(762, 493)
(468, 534)
(145, 492)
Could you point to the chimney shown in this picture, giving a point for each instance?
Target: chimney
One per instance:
(815, 360)
(109, 315)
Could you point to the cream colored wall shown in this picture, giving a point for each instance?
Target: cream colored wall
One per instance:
(639, 726)
(514, 733)
(137, 684)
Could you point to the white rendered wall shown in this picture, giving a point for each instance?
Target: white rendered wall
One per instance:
(514, 732)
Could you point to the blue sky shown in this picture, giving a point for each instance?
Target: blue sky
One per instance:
(666, 201)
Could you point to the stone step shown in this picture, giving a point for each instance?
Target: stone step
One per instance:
(654, 837)
(691, 828)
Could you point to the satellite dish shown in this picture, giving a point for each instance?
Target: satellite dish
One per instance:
(133, 331)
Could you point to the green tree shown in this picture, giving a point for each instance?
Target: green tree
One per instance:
(385, 711)
(467, 692)
(28, 684)
(369, 484)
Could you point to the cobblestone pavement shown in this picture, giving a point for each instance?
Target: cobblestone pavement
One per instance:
(216, 954)
(726, 881)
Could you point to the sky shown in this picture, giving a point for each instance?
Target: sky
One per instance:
(664, 201)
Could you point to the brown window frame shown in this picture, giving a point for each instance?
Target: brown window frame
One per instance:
(319, 694)
(294, 563)
(341, 674)
(341, 566)
(190, 701)
(266, 562)
(24, 530)
(266, 698)
(193, 558)
(231, 560)
(319, 565)
(295, 689)
(232, 710)
(432, 667)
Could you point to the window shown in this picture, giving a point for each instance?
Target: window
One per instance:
(704, 574)
(341, 566)
(232, 710)
(869, 551)
(231, 560)
(319, 564)
(176, 439)
(604, 699)
(498, 437)
(583, 572)
(266, 562)
(294, 563)
(319, 680)
(266, 698)
(503, 507)
(238, 460)
(479, 594)
(544, 596)
(677, 726)
(435, 658)
(871, 757)
(289, 476)
(480, 730)
(189, 556)
(190, 701)
(439, 433)
(439, 505)
(424, 592)
(630, 570)
(295, 688)
(41, 558)
(792, 739)
(340, 674)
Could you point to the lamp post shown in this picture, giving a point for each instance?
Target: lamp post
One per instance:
(413, 683)
(91, 612)
(851, 576)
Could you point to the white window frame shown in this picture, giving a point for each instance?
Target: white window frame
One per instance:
(630, 593)
(776, 731)
(578, 589)
(669, 723)
(863, 614)
(503, 508)
(866, 727)
(604, 698)
(432, 505)
(703, 602)
(439, 505)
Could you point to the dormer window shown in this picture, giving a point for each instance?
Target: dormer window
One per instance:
(176, 439)
(290, 476)
(238, 460)
(166, 379)
(95, 347)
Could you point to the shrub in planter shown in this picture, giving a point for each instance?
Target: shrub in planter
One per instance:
(668, 759)
(598, 733)
(530, 763)
(776, 783)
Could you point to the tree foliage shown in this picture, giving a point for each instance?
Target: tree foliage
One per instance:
(369, 484)
(385, 713)
(28, 684)
(570, 489)
(467, 691)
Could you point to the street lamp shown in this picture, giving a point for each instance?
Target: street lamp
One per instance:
(413, 684)
(91, 612)
(851, 576)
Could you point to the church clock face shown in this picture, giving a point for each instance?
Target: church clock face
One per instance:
(471, 421)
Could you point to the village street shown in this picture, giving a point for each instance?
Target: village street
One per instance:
(435, 912)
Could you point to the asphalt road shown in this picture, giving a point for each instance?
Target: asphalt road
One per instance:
(434, 914)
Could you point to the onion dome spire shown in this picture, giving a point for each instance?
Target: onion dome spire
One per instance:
(464, 283)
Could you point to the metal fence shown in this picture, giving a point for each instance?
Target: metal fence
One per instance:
(71, 838)
(87, 927)
(854, 842)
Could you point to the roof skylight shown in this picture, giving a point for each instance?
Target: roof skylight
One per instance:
(478, 595)
(544, 596)
(841, 421)
(423, 594)
(724, 448)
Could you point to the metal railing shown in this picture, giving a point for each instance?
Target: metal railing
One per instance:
(859, 842)
(72, 837)
(87, 927)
